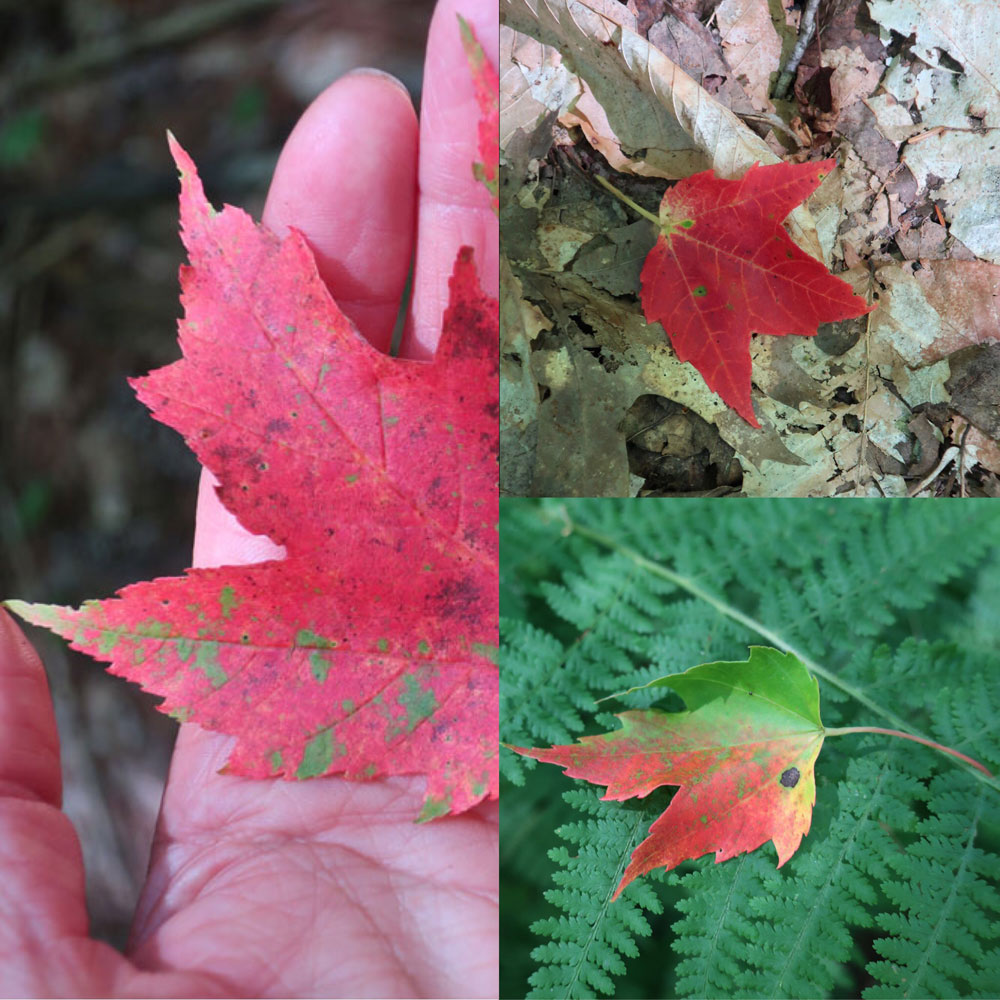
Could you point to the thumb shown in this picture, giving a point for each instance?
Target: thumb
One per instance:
(41, 868)
(29, 742)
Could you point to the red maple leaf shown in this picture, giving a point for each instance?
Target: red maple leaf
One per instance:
(487, 87)
(743, 756)
(723, 267)
(370, 649)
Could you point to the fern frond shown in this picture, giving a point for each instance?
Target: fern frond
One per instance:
(895, 604)
(942, 938)
(591, 936)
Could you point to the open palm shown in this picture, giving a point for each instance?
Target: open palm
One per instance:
(324, 887)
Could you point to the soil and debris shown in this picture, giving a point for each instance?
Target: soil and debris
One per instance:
(904, 94)
(93, 493)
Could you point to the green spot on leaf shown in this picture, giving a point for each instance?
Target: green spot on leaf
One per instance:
(306, 637)
(419, 703)
(699, 291)
(319, 664)
(207, 661)
(318, 754)
(227, 601)
(184, 649)
(433, 808)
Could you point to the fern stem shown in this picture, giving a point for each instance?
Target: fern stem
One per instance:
(909, 736)
(695, 590)
(628, 201)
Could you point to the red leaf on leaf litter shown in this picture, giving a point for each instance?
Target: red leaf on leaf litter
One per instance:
(370, 649)
(723, 267)
(743, 755)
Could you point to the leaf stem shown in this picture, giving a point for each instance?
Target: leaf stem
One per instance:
(909, 736)
(628, 201)
(695, 590)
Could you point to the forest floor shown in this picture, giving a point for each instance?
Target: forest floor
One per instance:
(903, 94)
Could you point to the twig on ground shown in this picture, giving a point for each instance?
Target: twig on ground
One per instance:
(946, 459)
(863, 445)
(961, 460)
(807, 27)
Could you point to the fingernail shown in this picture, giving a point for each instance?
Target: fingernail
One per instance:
(381, 73)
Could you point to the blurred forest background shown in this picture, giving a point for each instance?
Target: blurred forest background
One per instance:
(93, 493)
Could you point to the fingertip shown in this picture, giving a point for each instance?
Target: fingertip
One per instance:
(346, 179)
(454, 208)
(29, 740)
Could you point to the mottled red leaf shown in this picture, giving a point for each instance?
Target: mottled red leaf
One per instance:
(742, 754)
(723, 267)
(370, 649)
(487, 85)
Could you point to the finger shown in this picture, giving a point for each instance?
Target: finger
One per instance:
(29, 742)
(453, 209)
(346, 178)
(41, 867)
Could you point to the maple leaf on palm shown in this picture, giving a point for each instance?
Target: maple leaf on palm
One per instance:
(369, 649)
(723, 268)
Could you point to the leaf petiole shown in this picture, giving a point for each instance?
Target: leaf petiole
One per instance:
(909, 736)
(628, 201)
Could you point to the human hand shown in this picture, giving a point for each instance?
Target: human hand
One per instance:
(324, 887)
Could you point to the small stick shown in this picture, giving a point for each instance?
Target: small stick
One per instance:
(628, 201)
(807, 27)
(961, 460)
(946, 459)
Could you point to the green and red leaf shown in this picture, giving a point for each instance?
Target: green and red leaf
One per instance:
(742, 755)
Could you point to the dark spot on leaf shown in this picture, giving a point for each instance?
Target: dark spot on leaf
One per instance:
(790, 778)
